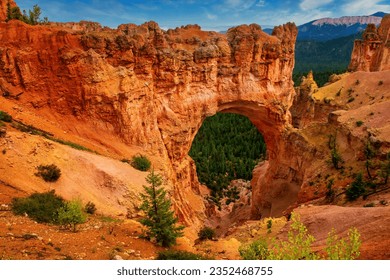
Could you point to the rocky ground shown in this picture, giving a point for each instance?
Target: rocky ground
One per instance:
(105, 237)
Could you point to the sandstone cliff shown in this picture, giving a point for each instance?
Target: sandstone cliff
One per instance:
(373, 52)
(153, 88)
(4, 8)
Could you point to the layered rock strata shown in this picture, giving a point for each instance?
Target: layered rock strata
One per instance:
(153, 88)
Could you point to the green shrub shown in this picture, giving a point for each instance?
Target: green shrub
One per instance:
(41, 207)
(178, 255)
(336, 158)
(71, 214)
(298, 246)
(257, 250)
(90, 208)
(269, 225)
(359, 123)
(341, 249)
(5, 117)
(357, 188)
(141, 162)
(49, 173)
(206, 233)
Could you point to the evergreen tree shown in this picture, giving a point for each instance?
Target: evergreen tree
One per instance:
(159, 219)
(8, 11)
(32, 17)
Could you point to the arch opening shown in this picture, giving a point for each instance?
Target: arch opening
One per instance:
(226, 149)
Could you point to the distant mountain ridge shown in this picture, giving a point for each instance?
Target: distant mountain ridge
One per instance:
(348, 21)
(326, 29)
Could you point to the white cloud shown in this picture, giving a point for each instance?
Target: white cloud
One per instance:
(364, 7)
(211, 16)
(308, 5)
(301, 18)
(239, 5)
(261, 3)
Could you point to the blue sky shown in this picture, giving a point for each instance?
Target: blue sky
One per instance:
(209, 14)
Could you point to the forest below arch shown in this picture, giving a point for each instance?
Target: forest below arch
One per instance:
(226, 147)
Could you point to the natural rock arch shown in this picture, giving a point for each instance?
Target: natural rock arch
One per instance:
(153, 88)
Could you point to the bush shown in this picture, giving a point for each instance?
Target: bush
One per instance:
(141, 163)
(71, 214)
(341, 249)
(336, 158)
(178, 255)
(257, 250)
(41, 207)
(269, 226)
(49, 173)
(359, 123)
(5, 117)
(90, 208)
(298, 246)
(206, 233)
(357, 188)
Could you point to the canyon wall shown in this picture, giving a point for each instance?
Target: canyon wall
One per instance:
(153, 89)
(372, 53)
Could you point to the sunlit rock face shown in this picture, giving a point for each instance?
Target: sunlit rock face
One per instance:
(153, 88)
(373, 52)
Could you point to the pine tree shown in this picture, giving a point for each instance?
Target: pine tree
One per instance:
(159, 219)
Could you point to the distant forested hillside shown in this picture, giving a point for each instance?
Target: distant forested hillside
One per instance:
(227, 147)
(324, 58)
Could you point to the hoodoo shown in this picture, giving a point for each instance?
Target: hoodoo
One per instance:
(372, 53)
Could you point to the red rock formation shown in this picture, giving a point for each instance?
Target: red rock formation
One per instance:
(373, 52)
(153, 88)
(4, 8)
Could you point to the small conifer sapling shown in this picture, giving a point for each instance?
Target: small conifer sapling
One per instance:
(159, 218)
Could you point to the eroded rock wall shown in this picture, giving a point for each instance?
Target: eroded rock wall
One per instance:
(153, 88)
(372, 53)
